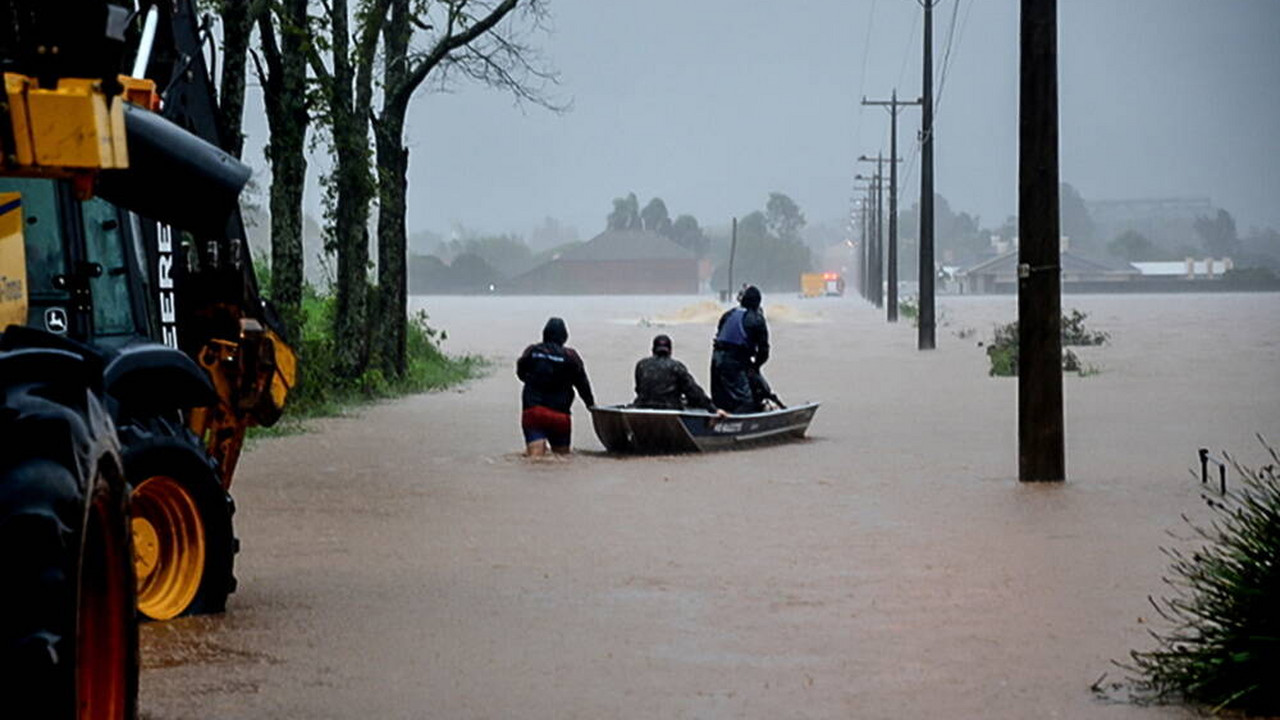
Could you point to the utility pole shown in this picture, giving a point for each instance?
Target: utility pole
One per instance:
(893, 103)
(876, 244)
(868, 239)
(868, 246)
(926, 339)
(1041, 455)
(880, 229)
(873, 239)
(733, 250)
(863, 259)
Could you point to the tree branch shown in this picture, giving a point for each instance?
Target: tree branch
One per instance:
(447, 44)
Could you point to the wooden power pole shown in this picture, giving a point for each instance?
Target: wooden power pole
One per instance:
(926, 339)
(1041, 455)
(733, 250)
(892, 271)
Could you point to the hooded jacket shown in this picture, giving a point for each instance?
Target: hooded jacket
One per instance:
(551, 371)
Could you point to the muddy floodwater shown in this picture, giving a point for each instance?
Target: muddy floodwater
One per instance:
(406, 562)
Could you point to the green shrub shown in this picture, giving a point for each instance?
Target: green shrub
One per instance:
(1003, 349)
(1224, 648)
(321, 390)
(909, 308)
(1075, 333)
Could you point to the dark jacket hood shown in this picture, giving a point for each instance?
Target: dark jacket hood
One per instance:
(751, 298)
(555, 331)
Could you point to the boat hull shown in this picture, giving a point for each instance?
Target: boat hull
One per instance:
(624, 429)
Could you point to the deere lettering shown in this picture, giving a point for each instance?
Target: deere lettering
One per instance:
(168, 299)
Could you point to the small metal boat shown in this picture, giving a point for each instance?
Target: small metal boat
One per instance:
(626, 429)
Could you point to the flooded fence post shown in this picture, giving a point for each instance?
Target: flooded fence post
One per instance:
(1205, 459)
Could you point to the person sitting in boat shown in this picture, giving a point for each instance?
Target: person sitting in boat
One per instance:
(550, 371)
(664, 383)
(741, 346)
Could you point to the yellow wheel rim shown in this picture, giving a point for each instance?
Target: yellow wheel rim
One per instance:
(168, 542)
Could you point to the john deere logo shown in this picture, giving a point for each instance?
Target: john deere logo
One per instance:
(55, 320)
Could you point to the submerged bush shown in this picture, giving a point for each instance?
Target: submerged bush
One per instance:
(1224, 648)
(1003, 350)
(1075, 333)
(909, 308)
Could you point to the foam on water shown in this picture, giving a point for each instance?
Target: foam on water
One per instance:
(709, 311)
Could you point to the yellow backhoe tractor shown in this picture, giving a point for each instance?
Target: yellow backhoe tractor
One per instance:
(135, 348)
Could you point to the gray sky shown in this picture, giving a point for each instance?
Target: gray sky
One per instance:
(712, 104)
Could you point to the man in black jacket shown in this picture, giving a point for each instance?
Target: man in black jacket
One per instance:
(662, 382)
(741, 346)
(550, 371)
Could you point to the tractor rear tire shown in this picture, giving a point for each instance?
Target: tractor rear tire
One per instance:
(68, 628)
(185, 545)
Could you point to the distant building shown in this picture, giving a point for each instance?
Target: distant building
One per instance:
(615, 262)
(1190, 268)
(1000, 274)
(1083, 275)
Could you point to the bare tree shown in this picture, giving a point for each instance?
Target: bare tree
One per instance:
(467, 40)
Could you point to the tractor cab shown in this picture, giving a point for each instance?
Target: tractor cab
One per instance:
(85, 265)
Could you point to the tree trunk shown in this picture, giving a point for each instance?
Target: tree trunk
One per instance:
(237, 26)
(284, 91)
(351, 180)
(393, 166)
(393, 181)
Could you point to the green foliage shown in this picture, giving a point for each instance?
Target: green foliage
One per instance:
(909, 308)
(262, 271)
(783, 217)
(1224, 648)
(321, 391)
(1218, 234)
(687, 234)
(1076, 334)
(957, 236)
(626, 214)
(507, 254)
(655, 217)
(1003, 349)
(764, 259)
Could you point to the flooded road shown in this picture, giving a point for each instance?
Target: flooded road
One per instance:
(406, 562)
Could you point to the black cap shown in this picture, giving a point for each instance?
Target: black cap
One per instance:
(662, 345)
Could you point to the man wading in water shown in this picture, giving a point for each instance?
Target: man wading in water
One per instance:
(550, 372)
(741, 347)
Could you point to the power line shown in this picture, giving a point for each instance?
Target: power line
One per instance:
(946, 54)
(862, 74)
(862, 79)
(911, 44)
